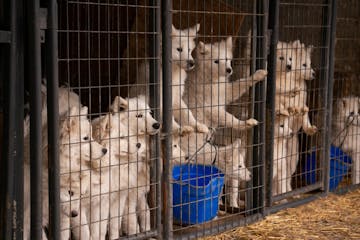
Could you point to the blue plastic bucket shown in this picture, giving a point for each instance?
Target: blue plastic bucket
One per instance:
(196, 192)
(339, 163)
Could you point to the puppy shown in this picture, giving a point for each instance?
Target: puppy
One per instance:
(183, 43)
(125, 148)
(346, 131)
(282, 133)
(78, 151)
(229, 159)
(137, 118)
(210, 81)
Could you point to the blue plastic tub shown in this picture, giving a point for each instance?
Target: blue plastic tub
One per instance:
(196, 192)
(339, 164)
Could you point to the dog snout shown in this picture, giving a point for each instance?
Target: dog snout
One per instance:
(104, 151)
(288, 67)
(190, 64)
(156, 125)
(229, 71)
(138, 145)
(74, 213)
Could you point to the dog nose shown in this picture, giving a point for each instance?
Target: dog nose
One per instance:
(74, 213)
(138, 145)
(190, 64)
(104, 151)
(228, 70)
(71, 193)
(156, 125)
(291, 134)
(187, 158)
(288, 67)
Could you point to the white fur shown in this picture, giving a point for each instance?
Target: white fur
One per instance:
(209, 90)
(282, 132)
(182, 45)
(346, 131)
(228, 158)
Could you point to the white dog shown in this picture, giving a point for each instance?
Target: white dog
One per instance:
(282, 133)
(78, 151)
(182, 45)
(209, 90)
(346, 131)
(230, 159)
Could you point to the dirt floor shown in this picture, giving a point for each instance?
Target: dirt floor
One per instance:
(332, 217)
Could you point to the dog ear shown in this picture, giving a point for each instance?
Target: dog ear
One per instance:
(174, 31)
(229, 43)
(310, 49)
(202, 48)
(84, 112)
(119, 104)
(193, 30)
(296, 44)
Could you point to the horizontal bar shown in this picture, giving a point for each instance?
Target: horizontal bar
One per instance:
(139, 236)
(215, 228)
(298, 191)
(293, 204)
(5, 36)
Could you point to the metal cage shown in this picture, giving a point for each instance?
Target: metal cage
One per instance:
(172, 119)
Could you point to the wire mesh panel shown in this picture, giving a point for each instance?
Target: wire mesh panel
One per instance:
(217, 57)
(109, 155)
(344, 164)
(299, 126)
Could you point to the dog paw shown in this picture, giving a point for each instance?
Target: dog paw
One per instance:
(260, 74)
(186, 130)
(304, 110)
(251, 122)
(311, 130)
(202, 128)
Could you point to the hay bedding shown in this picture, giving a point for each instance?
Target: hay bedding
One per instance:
(333, 217)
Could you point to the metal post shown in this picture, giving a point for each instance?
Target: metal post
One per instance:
(154, 28)
(34, 76)
(259, 111)
(53, 120)
(166, 22)
(270, 103)
(330, 88)
(324, 76)
(13, 145)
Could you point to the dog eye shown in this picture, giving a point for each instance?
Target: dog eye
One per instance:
(86, 138)
(216, 61)
(304, 65)
(281, 58)
(139, 115)
(240, 166)
(179, 49)
(352, 113)
(175, 146)
(282, 125)
(290, 59)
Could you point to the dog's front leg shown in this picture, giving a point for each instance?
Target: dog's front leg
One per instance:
(144, 212)
(65, 233)
(80, 225)
(308, 128)
(118, 200)
(235, 89)
(130, 224)
(355, 171)
(233, 188)
(179, 119)
(228, 120)
(185, 116)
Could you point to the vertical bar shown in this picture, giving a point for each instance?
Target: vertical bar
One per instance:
(155, 105)
(53, 120)
(166, 22)
(259, 111)
(270, 103)
(34, 75)
(330, 89)
(12, 212)
(324, 76)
